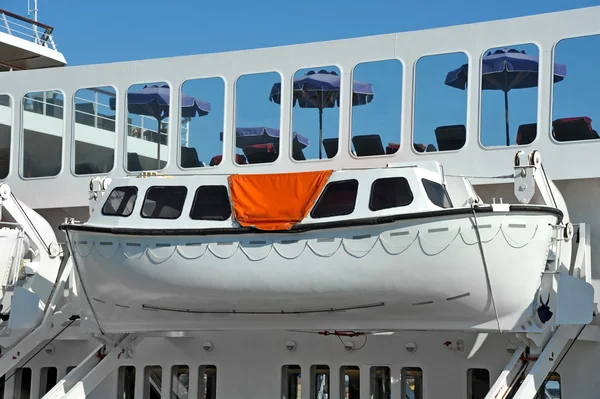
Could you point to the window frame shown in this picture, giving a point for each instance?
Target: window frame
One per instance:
(318, 202)
(428, 181)
(163, 218)
(412, 196)
(196, 198)
(132, 208)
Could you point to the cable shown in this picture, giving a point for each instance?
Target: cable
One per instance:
(38, 351)
(485, 268)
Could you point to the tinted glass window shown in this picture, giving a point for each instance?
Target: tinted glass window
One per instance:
(164, 202)
(479, 383)
(437, 193)
(338, 199)
(120, 201)
(211, 203)
(390, 192)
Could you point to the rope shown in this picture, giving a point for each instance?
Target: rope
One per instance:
(82, 285)
(485, 268)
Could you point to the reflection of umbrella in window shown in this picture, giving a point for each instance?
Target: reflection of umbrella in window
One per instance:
(154, 101)
(322, 90)
(504, 70)
(252, 136)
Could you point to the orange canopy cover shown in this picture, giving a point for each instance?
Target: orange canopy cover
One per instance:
(275, 201)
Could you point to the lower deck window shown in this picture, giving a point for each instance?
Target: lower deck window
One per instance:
(48, 379)
(412, 383)
(351, 380)
(320, 382)
(478, 383)
(208, 382)
(164, 202)
(291, 383)
(126, 382)
(180, 382)
(152, 382)
(23, 383)
(381, 381)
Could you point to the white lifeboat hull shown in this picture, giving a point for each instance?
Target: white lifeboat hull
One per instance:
(411, 274)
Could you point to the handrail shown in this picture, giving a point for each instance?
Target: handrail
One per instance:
(28, 29)
(48, 28)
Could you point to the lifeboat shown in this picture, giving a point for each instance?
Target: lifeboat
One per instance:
(399, 247)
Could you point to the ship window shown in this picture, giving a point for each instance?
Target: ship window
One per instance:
(211, 203)
(381, 381)
(120, 201)
(320, 381)
(164, 202)
(48, 379)
(292, 382)
(351, 381)
(5, 134)
(552, 388)
(152, 382)
(478, 383)
(390, 192)
(126, 382)
(207, 388)
(23, 382)
(94, 130)
(437, 193)
(42, 133)
(338, 199)
(180, 381)
(412, 383)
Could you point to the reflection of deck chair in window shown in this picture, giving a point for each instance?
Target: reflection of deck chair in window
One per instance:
(451, 137)
(393, 148)
(133, 162)
(189, 158)
(239, 159)
(526, 133)
(297, 152)
(367, 145)
(4, 162)
(260, 153)
(331, 147)
(574, 129)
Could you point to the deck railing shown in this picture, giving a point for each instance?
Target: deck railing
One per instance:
(95, 113)
(28, 29)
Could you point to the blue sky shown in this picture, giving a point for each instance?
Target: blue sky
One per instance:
(106, 31)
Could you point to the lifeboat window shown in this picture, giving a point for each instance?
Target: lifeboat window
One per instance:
(48, 379)
(207, 382)
(211, 203)
(320, 381)
(381, 381)
(412, 382)
(152, 382)
(180, 381)
(292, 382)
(437, 193)
(126, 382)
(478, 383)
(120, 201)
(338, 199)
(390, 192)
(351, 381)
(164, 202)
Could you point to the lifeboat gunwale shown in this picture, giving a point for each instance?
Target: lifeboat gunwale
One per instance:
(303, 228)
